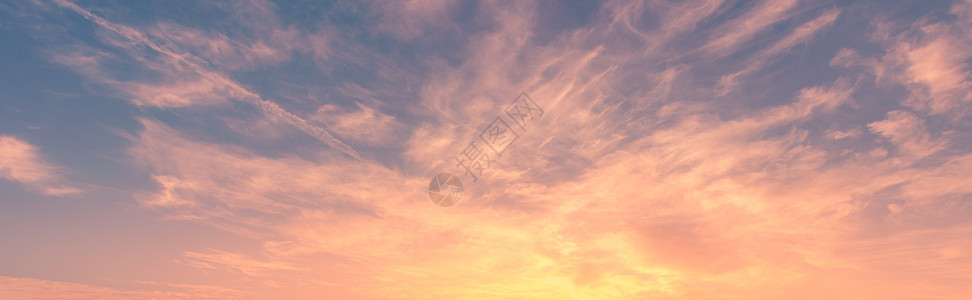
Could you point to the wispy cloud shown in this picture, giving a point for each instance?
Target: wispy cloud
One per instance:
(22, 162)
(909, 134)
(675, 158)
(801, 34)
(211, 259)
(741, 29)
(217, 183)
(364, 124)
(929, 58)
(29, 288)
(205, 86)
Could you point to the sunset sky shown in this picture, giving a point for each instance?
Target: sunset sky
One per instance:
(699, 149)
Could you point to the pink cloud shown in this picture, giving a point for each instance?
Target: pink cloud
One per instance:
(227, 53)
(666, 198)
(703, 207)
(364, 124)
(742, 29)
(191, 89)
(801, 34)
(189, 178)
(928, 58)
(22, 162)
(940, 66)
(909, 134)
(211, 258)
(186, 79)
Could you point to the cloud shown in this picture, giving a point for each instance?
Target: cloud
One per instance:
(928, 58)
(641, 180)
(699, 155)
(310, 209)
(649, 196)
(752, 203)
(850, 58)
(407, 20)
(909, 134)
(743, 28)
(684, 18)
(22, 162)
(29, 288)
(205, 86)
(209, 259)
(242, 189)
(192, 89)
(940, 67)
(837, 134)
(761, 59)
(364, 124)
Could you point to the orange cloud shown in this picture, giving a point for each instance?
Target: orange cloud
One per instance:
(628, 187)
(29, 288)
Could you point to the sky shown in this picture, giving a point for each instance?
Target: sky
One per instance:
(647, 149)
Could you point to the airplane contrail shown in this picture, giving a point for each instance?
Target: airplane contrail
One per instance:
(266, 106)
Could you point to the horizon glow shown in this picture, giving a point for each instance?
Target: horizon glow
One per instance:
(700, 149)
